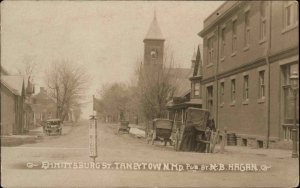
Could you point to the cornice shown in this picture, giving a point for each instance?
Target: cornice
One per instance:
(225, 15)
(195, 78)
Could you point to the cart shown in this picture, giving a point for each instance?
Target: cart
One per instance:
(53, 126)
(161, 131)
(124, 128)
(194, 134)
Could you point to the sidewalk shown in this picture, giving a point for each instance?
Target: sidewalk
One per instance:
(139, 132)
(32, 136)
(273, 153)
(16, 140)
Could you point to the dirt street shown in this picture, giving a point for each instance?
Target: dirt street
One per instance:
(73, 147)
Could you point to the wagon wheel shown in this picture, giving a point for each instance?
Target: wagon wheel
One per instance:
(165, 142)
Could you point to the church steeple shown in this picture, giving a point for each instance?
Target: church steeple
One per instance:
(154, 45)
(154, 32)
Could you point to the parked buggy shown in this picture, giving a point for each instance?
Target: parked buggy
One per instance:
(194, 134)
(160, 130)
(124, 128)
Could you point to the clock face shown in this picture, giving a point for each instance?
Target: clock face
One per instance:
(154, 53)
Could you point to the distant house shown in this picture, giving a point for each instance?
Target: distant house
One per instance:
(43, 106)
(12, 103)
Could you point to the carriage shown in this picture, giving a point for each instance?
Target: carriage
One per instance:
(194, 134)
(160, 130)
(124, 127)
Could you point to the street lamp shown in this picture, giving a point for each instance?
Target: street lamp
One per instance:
(294, 87)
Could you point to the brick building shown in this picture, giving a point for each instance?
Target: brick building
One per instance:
(250, 50)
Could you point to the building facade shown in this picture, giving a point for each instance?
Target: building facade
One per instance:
(250, 50)
(12, 105)
(43, 107)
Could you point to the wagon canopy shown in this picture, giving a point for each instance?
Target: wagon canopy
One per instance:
(197, 117)
(163, 123)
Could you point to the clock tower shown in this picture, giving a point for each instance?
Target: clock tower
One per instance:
(154, 45)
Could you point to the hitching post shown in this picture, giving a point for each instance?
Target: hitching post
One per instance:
(93, 138)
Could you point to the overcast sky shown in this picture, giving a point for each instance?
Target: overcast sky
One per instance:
(107, 37)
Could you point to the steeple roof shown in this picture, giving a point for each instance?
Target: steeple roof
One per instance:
(199, 61)
(194, 56)
(154, 31)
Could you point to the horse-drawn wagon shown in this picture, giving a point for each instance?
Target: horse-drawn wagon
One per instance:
(160, 130)
(194, 134)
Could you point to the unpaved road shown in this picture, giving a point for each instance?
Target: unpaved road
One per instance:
(73, 147)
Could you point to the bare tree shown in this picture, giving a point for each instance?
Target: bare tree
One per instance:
(66, 82)
(156, 86)
(114, 100)
(29, 67)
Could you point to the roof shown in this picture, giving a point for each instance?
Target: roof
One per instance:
(198, 66)
(53, 119)
(197, 109)
(44, 96)
(187, 104)
(223, 10)
(194, 101)
(181, 80)
(154, 31)
(3, 71)
(13, 83)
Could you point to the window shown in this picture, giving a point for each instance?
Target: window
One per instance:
(222, 93)
(263, 21)
(262, 84)
(288, 97)
(290, 10)
(223, 42)
(210, 99)
(154, 53)
(247, 30)
(210, 55)
(246, 88)
(197, 89)
(287, 133)
(234, 36)
(233, 90)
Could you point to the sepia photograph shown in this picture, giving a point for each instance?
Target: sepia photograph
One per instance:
(149, 93)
